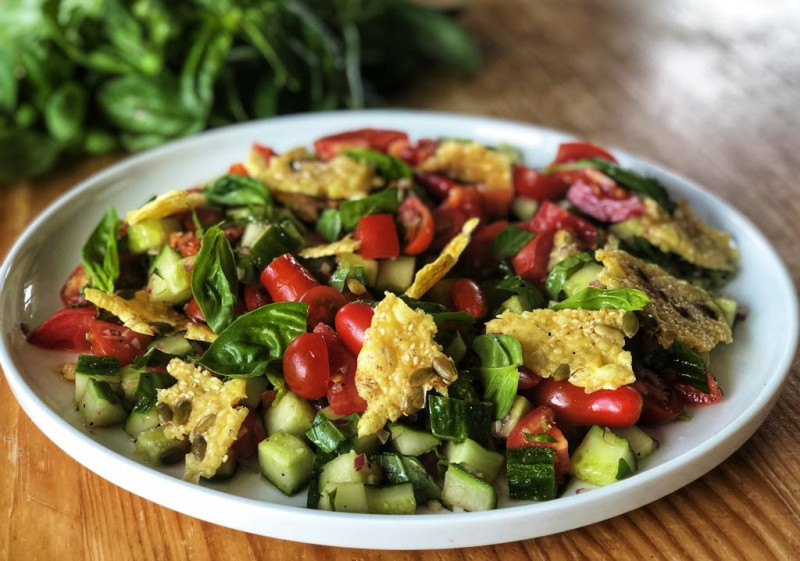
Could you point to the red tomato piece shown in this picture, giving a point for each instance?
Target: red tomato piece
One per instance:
(250, 434)
(265, 152)
(496, 202)
(352, 322)
(467, 199)
(528, 379)
(305, 366)
(661, 402)
(550, 216)
(342, 393)
(206, 216)
(374, 139)
(238, 169)
(599, 196)
(468, 297)
(572, 151)
(378, 236)
(255, 296)
(65, 330)
(696, 397)
(541, 423)
(110, 339)
(286, 280)
(573, 406)
(478, 258)
(72, 292)
(534, 184)
(447, 222)
(531, 261)
(437, 186)
(413, 154)
(417, 222)
(192, 309)
(323, 303)
(185, 243)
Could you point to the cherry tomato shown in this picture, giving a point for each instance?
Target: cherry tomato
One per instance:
(374, 139)
(352, 321)
(467, 199)
(286, 280)
(528, 379)
(531, 261)
(265, 152)
(378, 236)
(437, 186)
(468, 297)
(696, 397)
(323, 303)
(599, 196)
(550, 216)
(342, 393)
(65, 330)
(661, 402)
(255, 296)
(537, 428)
(72, 292)
(206, 216)
(447, 222)
(305, 366)
(413, 154)
(110, 339)
(478, 258)
(534, 184)
(238, 169)
(572, 151)
(573, 406)
(250, 434)
(417, 222)
(192, 309)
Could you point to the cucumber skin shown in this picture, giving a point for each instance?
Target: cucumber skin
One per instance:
(394, 499)
(100, 406)
(456, 419)
(464, 490)
(597, 459)
(474, 458)
(531, 473)
(154, 448)
(412, 442)
(286, 461)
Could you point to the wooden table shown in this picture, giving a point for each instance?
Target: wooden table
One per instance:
(711, 89)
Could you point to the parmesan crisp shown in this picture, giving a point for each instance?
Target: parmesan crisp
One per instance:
(346, 245)
(471, 162)
(168, 204)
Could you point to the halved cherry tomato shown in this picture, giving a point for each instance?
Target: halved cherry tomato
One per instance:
(342, 393)
(437, 186)
(537, 428)
(534, 184)
(531, 261)
(573, 406)
(72, 292)
(447, 222)
(528, 379)
(265, 152)
(192, 309)
(468, 297)
(413, 154)
(550, 216)
(572, 151)
(305, 366)
(323, 303)
(206, 216)
(110, 339)
(661, 402)
(378, 236)
(65, 330)
(238, 169)
(467, 199)
(374, 139)
(250, 434)
(286, 280)
(255, 296)
(696, 397)
(352, 321)
(417, 222)
(599, 196)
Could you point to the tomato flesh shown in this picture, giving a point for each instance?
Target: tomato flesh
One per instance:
(447, 222)
(65, 330)
(573, 151)
(265, 152)
(534, 184)
(437, 186)
(375, 139)
(352, 322)
(305, 366)
(573, 406)
(541, 421)
(71, 293)
(286, 279)
(531, 261)
(378, 236)
(255, 296)
(323, 303)
(417, 222)
(110, 339)
(238, 169)
(600, 197)
(250, 434)
(466, 199)
(550, 216)
(697, 397)
(661, 403)
(467, 296)
(342, 393)
(192, 309)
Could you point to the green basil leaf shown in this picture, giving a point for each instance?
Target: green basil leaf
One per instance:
(591, 298)
(498, 350)
(510, 241)
(564, 269)
(147, 389)
(388, 166)
(525, 289)
(690, 366)
(214, 280)
(329, 225)
(440, 314)
(385, 201)
(237, 190)
(255, 339)
(100, 254)
(500, 357)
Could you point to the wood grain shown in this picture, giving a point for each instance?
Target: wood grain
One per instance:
(710, 89)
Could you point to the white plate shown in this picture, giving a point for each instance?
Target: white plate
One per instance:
(752, 371)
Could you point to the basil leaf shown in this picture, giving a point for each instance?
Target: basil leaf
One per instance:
(510, 241)
(440, 314)
(388, 166)
(690, 366)
(329, 225)
(500, 356)
(147, 389)
(237, 190)
(591, 298)
(100, 254)
(527, 290)
(556, 278)
(385, 201)
(255, 339)
(214, 280)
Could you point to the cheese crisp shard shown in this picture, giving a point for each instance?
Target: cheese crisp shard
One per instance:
(297, 171)
(168, 204)
(471, 162)
(432, 273)
(394, 370)
(585, 346)
(214, 415)
(138, 314)
(199, 332)
(346, 245)
(677, 309)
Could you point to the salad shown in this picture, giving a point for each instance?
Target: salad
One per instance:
(384, 323)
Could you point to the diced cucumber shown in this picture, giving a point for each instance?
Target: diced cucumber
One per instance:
(228, 468)
(627, 229)
(515, 304)
(396, 275)
(246, 213)
(728, 307)
(175, 344)
(368, 444)
(129, 382)
(353, 260)
(519, 408)
(155, 448)
(82, 381)
(100, 406)
(252, 233)
(395, 499)
(328, 435)
(139, 421)
(286, 461)
(170, 278)
(408, 469)
(350, 468)
(641, 443)
(344, 497)
(531, 473)
(150, 234)
(412, 442)
(603, 457)
(464, 490)
(456, 419)
(524, 208)
(253, 389)
(292, 414)
(581, 278)
(474, 458)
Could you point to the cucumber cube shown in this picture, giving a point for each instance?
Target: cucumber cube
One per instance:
(286, 461)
